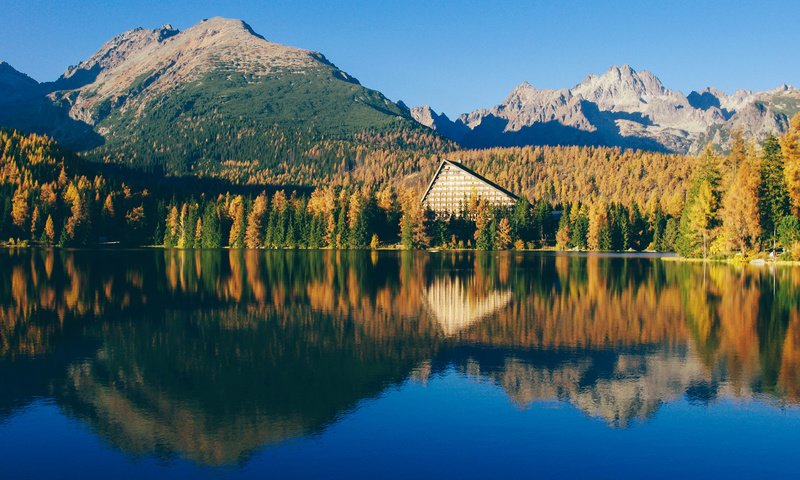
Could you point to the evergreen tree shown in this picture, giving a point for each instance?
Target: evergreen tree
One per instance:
(788, 231)
(340, 239)
(211, 234)
(521, 219)
(773, 196)
(483, 225)
(659, 226)
(544, 226)
(357, 222)
(639, 231)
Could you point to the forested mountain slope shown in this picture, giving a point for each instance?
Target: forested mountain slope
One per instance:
(216, 99)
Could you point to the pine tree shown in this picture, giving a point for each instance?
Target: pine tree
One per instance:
(211, 236)
(773, 196)
(521, 219)
(639, 231)
(543, 222)
(357, 222)
(788, 231)
(671, 232)
(483, 225)
(340, 236)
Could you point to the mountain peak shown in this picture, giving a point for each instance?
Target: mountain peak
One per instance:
(139, 64)
(15, 84)
(620, 88)
(227, 24)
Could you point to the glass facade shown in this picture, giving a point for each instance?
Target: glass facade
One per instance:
(454, 185)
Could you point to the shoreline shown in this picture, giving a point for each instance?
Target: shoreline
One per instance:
(664, 256)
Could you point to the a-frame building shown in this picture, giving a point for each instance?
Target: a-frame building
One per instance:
(453, 185)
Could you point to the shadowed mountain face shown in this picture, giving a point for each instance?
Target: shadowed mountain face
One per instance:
(623, 108)
(24, 106)
(211, 355)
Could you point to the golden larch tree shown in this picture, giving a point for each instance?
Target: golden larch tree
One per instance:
(740, 216)
(790, 147)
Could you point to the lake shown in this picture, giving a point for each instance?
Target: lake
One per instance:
(326, 364)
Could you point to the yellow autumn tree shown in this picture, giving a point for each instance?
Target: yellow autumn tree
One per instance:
(503, 238)
(172, 227)
(236, 211)
(740, 216)
(49, 231)
(790, 147)
(20, 208)
(254, 236)
(598, 218)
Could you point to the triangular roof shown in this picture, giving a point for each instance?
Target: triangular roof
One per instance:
(468, 172)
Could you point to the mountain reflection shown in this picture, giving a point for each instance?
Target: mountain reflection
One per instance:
(213, 354)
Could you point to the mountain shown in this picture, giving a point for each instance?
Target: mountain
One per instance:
(622, 108)
(214, 98)
(24, 106)
(439, 122)
(14, 84)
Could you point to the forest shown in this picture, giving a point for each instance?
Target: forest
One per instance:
(714, 205)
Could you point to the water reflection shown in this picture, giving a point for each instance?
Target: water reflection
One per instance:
(211, 355)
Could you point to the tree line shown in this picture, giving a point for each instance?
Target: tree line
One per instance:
(742, 202)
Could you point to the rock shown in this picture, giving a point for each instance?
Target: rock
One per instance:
(623, 108)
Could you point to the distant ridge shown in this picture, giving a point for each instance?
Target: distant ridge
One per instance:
(622, 108)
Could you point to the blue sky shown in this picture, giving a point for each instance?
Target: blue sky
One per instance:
(455, 56)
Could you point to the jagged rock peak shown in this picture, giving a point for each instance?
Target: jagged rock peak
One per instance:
(113, 53)
(425, 115)
(621, 88)
(620, 80)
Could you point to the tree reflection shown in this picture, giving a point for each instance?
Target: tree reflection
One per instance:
(212, 354)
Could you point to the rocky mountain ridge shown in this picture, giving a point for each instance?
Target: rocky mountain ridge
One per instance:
(136, 66)
(623, 108)
(142, 83)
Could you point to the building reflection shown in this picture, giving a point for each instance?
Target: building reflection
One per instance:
(456, 306)
(213, 354)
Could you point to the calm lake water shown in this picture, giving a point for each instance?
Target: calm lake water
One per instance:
(184, 364)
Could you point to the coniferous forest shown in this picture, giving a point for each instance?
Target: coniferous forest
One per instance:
(714, 205)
